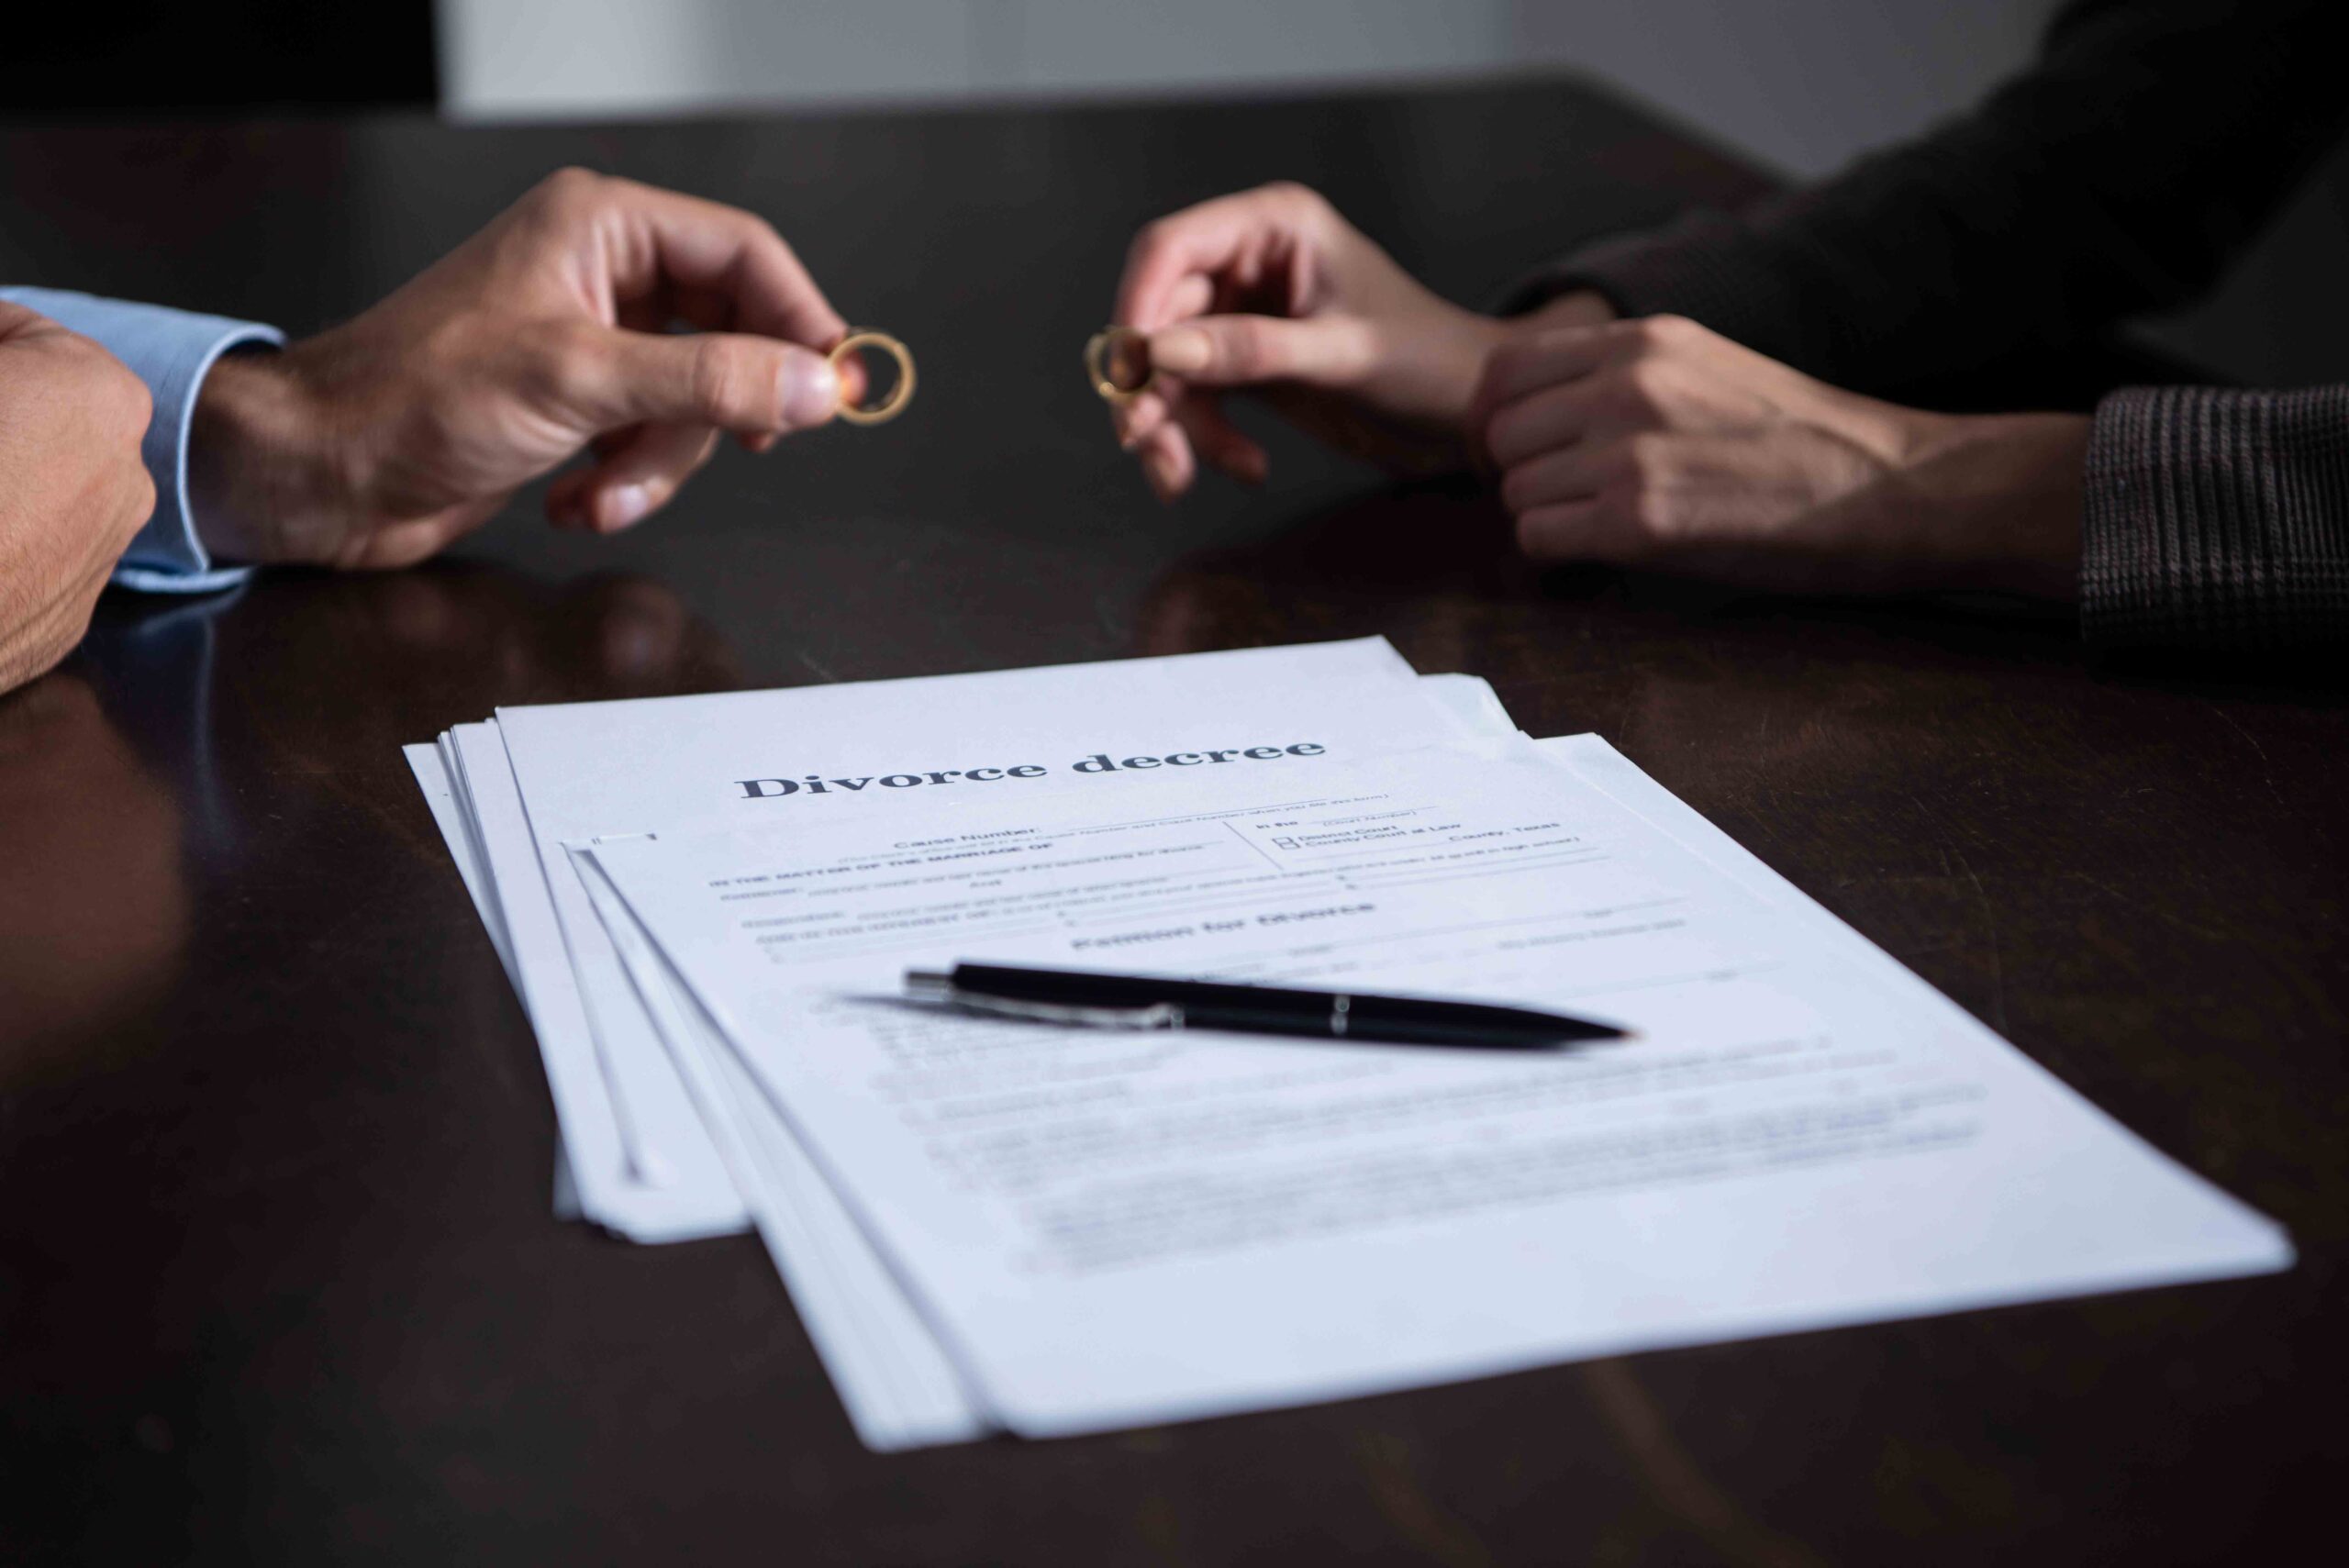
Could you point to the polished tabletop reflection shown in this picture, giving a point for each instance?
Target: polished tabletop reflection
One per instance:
(279, 1280)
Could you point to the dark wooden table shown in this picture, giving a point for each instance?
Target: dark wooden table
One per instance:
(278, 1278)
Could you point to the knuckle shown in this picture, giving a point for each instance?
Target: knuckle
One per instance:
(1153, 237)
(557, 359)
(720, 381)
(1652, 513)
(1535, 537)
(570, 185)
(136, 395)
(104, 391)
(763, 232)
(1648, 459)
(1650, 334)
(128, 405)
(1517, 490)
(1506, 435)
(1512, 493)
(52, 650)
(138, 503)
(1241, 353)
(1511, 362)
(1640, 388)
(1670, 331)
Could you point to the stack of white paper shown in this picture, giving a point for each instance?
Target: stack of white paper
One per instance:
(707, 905)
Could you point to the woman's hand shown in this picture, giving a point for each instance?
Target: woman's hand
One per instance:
(1658, 442)
(1272, 291)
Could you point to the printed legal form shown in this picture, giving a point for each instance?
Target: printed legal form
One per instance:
(991, 1224)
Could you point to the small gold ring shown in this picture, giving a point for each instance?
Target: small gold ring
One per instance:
(1098, 350)
(899, 394)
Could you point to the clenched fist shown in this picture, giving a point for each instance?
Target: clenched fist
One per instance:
(1658, 442)
(72, 489)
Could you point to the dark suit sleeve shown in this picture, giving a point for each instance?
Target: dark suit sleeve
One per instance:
(2217, 520)
(2116, 177)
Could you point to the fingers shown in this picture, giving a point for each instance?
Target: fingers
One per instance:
(724, 266)
(1715, 501)
(1521, 371)
(404, 543)
(1180, 264)
(1216, 440)
(1568, 473)
(1557, 416)
(1617, 501)
(1179, 423)
(855, 387)
(1594, 501)
(746, 385)
(1199, 432)
(1562, 385)
(1192, 295)
(1168, 464)
(1243, 351)
(1526, 365)
(634, 477)
(1238, 243)
(1584, 531)
(1137, 419)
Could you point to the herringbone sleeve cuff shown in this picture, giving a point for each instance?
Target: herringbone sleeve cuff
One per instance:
(2217, 519)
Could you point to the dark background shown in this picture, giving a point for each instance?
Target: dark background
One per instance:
(165, 57)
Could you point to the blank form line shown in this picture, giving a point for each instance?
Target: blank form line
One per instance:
(1732, 972)
(1305, 804)
(1424, 932)
(850, 947)
(1486, 870)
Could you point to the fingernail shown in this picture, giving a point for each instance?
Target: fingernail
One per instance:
(627, 504)
(811, 390)
(1178, 348)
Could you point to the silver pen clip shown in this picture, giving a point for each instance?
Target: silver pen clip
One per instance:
(926, 985)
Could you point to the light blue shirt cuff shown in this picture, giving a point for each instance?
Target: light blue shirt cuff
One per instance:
(170, 350)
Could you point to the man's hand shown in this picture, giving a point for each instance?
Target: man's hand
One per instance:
(1658, 442)
(1273, 291)
(379, 442)
(72, 490)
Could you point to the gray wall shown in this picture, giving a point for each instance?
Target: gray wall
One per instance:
(1799, 84)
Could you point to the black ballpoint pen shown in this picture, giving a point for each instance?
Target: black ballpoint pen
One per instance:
(1129, 1001)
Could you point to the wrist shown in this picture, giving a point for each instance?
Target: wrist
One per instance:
(262, 475)
(1477, 338)
(2009, 490)
(1575, 308)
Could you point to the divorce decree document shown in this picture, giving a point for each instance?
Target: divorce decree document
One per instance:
(1106, 1229)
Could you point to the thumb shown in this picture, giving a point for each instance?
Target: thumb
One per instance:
(738, 381)
(1240, 350)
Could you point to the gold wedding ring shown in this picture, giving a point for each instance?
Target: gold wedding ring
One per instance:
(899, 395)
(1117, 360)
